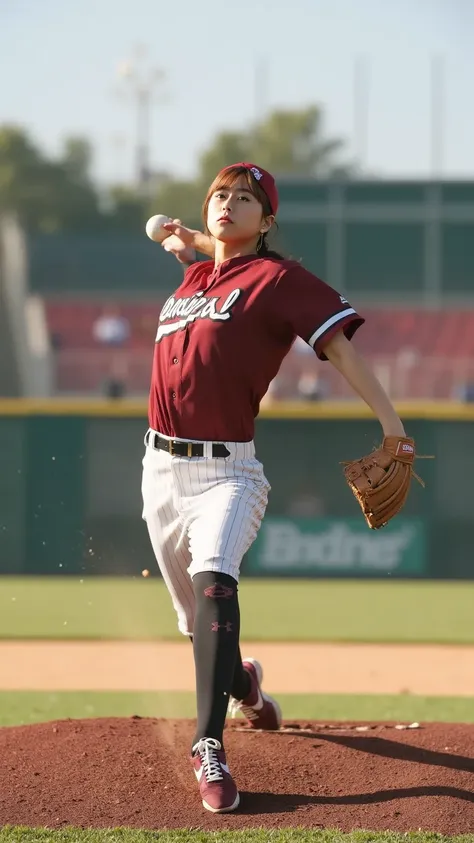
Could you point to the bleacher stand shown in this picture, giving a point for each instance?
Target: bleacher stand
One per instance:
(416, 353)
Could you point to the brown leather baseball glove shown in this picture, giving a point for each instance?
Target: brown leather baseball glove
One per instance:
(381, 481)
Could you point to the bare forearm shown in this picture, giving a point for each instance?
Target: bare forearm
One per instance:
(189, 238)
(361, 378)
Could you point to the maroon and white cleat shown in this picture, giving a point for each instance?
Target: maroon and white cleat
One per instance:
(260, 710)
(218, 790)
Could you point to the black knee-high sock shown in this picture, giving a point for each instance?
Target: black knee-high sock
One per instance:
(240, 687)
(215, 642)
(241, 681)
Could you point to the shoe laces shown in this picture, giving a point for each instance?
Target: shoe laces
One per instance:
(207, 750)
(237, 705)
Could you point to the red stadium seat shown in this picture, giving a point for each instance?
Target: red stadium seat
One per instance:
(417, 353)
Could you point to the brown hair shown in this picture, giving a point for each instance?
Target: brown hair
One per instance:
(226, 180)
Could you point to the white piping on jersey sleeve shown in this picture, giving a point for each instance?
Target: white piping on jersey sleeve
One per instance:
(328, 324)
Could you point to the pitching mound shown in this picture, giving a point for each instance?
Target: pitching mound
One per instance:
(134, 772)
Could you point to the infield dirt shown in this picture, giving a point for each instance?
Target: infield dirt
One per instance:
(435, 670)
(135, 772)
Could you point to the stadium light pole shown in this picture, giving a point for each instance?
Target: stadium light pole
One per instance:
(261, 87)
(141, 84)
(437, 115)
(361, 108)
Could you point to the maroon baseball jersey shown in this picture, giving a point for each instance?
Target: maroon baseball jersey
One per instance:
(222, 337)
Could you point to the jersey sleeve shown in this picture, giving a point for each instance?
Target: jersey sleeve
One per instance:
(312, 309)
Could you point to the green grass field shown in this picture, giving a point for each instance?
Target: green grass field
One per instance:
(24, 707)
(287, 610)
(30, 835)
(291, 610)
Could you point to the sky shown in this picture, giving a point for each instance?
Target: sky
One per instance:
(226, 64)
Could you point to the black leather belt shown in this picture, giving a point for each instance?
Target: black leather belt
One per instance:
(183, 449)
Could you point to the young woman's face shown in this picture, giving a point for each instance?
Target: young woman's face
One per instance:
(235, 215)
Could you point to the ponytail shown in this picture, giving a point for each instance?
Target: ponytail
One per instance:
(264, 251)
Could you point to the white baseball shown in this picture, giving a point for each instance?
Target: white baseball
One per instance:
(154, 228)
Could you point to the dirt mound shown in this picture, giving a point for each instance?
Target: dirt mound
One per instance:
(134, 772)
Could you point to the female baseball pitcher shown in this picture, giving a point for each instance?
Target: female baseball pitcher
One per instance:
(220, 341)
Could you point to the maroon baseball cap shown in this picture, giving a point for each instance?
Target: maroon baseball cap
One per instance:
(265, 180)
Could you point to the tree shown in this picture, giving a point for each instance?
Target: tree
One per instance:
(293, 143)
(21, 172)
(180, 200)
(287, 142)
(127, 210)
(77, 159)
(59, 195)
(46, 195)
(227, 148)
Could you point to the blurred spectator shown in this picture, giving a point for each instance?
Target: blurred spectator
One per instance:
(311, 387)
(111, 328)
(302, 347)
(56, 340)
(115, 385)
(273, 392)
(114, 388)
(464, 392)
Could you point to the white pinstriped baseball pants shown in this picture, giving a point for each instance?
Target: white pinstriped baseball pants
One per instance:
(202, 514)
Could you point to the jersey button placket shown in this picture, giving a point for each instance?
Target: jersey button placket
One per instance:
(176, 370)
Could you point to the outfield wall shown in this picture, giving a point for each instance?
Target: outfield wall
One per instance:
(371, 239)
(70, 491)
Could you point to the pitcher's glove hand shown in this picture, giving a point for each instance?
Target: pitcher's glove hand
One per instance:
(381, 481)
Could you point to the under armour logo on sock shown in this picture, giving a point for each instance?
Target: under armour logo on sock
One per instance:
(216, 626)
(219, 590)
